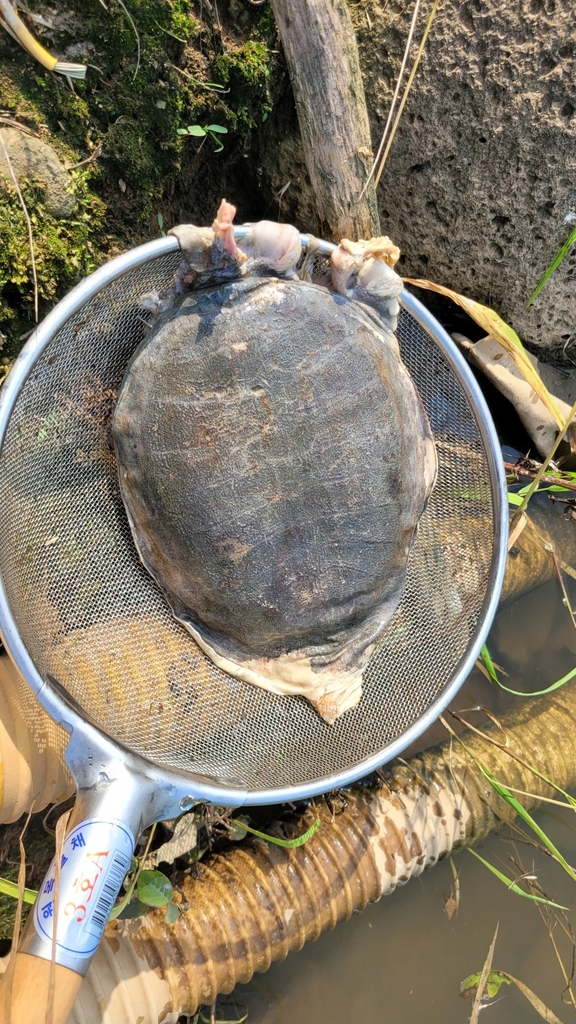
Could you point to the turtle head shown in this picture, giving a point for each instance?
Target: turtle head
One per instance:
(364, 271)
(271, 246)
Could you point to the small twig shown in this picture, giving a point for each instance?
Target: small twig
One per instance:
(170, 33)
(536, 481)
(89, 159)
(9, 976)
(519, 470)
(561, 581)
(210, 86)
(10, 123)
(394, 98)
(406, 91)
(28, 222)
(61, 826)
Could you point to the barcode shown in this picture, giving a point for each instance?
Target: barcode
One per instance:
(110, 888)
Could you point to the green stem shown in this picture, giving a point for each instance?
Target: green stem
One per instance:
(534, 485)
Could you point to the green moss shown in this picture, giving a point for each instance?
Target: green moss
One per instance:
(131, 111)
(64, 250)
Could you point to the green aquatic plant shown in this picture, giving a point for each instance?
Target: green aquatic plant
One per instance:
(491, 670)
(512, 885)
(486, 984)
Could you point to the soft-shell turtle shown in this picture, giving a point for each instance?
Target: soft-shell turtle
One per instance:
(275, 458)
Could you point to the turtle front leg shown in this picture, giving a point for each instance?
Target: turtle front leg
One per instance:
(364, 271)
(271, 246)
(209, 253)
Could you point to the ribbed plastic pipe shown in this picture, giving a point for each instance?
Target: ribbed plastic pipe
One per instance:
(33, 772)
(256, 903)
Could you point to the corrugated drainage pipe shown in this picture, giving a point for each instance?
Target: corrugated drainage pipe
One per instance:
(33, 773)
(256, 903)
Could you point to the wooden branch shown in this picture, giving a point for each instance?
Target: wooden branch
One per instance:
(530, 474)
(322, 55)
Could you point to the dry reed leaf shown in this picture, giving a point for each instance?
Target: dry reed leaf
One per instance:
(16, 930)
(61, 827)
(498, 329)
(532, 998)
(483, 979)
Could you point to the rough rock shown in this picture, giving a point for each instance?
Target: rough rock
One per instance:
(480, 184)
(36, 160)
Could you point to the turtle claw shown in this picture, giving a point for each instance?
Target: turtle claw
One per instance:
(276, 247)
(364, 271)
(211, 252)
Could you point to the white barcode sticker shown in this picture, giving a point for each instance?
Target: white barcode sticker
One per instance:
(95, 859)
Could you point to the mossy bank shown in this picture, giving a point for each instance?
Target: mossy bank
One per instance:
(152, 68)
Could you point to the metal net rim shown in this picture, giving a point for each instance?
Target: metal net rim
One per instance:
(60, 709)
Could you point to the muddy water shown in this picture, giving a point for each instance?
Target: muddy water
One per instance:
(401, 961)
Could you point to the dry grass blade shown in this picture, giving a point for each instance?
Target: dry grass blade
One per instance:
(483, 979)
(16, 930)
(28, 222)
(498, 329)
(532, 998)
(550, 920)
(406, 93)
(135, 30)
(395, 97)
(61, 826)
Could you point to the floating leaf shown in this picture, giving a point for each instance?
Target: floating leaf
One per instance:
(154, 888)
(498, 329)
(494, 983)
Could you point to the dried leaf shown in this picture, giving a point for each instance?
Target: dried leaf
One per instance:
(535, 1000)
(498, 329)
(483, 980)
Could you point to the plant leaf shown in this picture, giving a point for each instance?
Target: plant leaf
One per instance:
(154, 888)
(134, 908)
(555, 263)
(498, 329)
(288, 844)
(514, 499)
(216, 128)
(494, 983)
(532, 998)
(511, 884)
(172, 913)
(485, 974)
(11, 889)
(195, 129)
(489, 664)
(182, 131)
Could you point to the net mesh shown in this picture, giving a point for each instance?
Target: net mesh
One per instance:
(95, 622)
